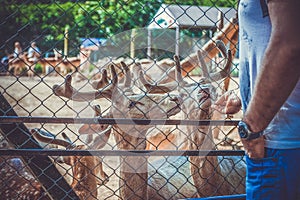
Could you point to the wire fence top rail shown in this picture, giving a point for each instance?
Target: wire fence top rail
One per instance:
(40, 152)
(16, 119)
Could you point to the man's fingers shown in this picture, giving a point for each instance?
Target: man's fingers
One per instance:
(254, 148)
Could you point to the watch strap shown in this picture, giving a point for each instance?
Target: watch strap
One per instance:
(253, 136)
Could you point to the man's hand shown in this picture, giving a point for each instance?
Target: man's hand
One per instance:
(254, 148)
(228, 103)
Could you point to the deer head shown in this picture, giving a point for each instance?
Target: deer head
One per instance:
(199, 96)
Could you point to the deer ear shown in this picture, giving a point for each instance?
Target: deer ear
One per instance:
(84, 129)
(67, 160)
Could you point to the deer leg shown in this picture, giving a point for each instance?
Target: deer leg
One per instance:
(134, 169)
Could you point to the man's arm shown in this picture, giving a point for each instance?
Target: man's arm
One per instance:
(280, 68)
(279, 72)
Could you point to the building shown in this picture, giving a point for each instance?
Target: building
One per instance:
(180, 17)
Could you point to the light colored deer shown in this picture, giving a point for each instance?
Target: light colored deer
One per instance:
(126, 104)
(163, 74)
(164, 181)
(208, 172)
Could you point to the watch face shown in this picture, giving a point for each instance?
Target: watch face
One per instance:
(243, 132)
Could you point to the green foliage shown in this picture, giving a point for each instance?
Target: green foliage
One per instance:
(45, 21)
(38, 68)
(221, 3)
(92, 67)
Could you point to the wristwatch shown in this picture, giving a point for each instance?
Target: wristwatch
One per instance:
(246, 133)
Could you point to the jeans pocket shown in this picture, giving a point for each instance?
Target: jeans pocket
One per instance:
(262, 178)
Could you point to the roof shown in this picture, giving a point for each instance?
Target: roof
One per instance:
(185, 16)
(87, 42)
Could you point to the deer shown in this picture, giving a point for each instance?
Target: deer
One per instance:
(129, 105)
(161, 182)
(19, 63)
(72, 64)
(63, 65)
(207, 171)
(163, 72)
(19, 183)
(166, 79)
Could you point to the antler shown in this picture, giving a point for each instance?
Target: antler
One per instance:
(178, 71)
(128, 78)
(104, 78)
(156, 88)
(69, 92)
(102, 82)
(209, 77)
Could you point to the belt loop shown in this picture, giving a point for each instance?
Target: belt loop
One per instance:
(264, 8)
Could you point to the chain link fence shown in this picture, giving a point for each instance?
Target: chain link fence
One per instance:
(113, 100)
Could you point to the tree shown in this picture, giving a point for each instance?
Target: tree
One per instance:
(45, 21)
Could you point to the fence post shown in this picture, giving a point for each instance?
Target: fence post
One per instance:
(42, 167)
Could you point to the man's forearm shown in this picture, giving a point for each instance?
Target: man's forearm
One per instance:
(280, 68)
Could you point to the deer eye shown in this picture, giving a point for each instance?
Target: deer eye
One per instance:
(132, 104)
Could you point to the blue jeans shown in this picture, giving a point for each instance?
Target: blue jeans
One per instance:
(274, 177)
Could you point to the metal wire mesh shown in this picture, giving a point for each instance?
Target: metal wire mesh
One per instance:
(99, 110)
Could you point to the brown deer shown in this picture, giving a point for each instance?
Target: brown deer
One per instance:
(72, 64)
(126, 104)
(19, 183)
(21, 63)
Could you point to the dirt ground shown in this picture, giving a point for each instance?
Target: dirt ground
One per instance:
(34, 97)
